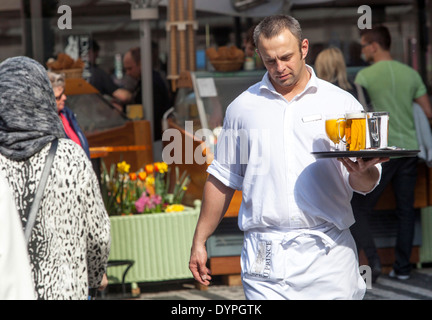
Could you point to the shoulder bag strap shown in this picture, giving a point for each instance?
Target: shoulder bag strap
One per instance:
(39, 192)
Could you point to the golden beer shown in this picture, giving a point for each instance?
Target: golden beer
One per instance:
(335, 129)
(355, 131)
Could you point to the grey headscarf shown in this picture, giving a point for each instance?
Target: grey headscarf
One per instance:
(28, 111)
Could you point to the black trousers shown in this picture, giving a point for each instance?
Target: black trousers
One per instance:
(402, 174)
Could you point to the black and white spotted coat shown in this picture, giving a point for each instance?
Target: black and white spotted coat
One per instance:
(70, 241)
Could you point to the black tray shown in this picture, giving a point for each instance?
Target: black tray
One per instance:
(365, 154)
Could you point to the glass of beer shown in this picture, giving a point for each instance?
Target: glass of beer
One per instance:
(335, 128)
(355, 131)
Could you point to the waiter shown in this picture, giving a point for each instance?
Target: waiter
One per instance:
(295, 210)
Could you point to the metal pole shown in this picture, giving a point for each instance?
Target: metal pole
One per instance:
(24, 33)
(37, 30)
(144, 15)
(146, 71)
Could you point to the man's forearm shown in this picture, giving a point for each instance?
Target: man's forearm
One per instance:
(216, 199)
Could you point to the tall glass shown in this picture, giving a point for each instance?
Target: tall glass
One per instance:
(355, 131)
(377, 123)
(335, 129)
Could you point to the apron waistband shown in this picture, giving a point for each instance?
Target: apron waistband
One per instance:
(292, 236)
(325, 232)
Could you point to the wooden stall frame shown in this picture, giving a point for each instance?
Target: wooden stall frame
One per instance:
(131, 143)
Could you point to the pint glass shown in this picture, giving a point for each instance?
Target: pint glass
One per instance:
(355, 131)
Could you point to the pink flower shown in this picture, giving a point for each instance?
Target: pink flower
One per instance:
(156, 199)
(142, 203)
(146, 202)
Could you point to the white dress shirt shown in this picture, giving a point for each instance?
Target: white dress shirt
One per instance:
(265, 148)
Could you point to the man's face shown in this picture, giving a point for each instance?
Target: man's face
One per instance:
(283, 59)
(367, 49)
(132, 69)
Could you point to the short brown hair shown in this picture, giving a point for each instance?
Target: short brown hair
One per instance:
(379, 34)
(136, 54)
(272, 26)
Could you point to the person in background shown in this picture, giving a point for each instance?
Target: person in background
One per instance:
(393, 87)
(70, 241)
(161, 96)
(250, 49)
(330, 66)
(70, 123)
(103, 82)
(295, 210)
(355, 55)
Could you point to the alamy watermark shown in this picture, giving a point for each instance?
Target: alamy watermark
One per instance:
(366, 274)
(65, 20)
(365, 20)
(236, 147)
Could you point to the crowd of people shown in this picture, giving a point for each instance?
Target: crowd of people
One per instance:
(304, 221)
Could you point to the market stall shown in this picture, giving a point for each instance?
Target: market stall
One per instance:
(111, 135)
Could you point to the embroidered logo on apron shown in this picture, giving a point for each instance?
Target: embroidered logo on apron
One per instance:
(262, 264)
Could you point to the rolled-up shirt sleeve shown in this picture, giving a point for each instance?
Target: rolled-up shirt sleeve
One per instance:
(228, 178)
(231, 155)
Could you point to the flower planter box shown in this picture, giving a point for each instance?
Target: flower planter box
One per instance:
(159, 243)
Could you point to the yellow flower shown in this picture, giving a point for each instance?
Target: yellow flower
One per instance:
(174, 208)
(150, 180)
(123, 167)
(162, 167)
(184, 188)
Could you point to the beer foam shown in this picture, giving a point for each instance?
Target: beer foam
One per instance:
(355, 115)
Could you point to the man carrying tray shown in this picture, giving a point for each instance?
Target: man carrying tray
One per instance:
(295, 209)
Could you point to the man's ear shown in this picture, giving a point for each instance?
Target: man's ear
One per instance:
(256, 50)
(304, 48)
(375, 46)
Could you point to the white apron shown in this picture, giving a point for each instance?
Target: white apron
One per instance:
(317, 263)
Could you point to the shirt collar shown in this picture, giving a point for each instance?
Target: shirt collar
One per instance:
(311, 86)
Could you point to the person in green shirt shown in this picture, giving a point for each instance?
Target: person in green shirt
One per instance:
(393, 87)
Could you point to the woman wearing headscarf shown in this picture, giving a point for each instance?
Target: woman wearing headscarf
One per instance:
(69, 243)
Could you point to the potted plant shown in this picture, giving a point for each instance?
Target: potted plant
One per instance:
(149, 224)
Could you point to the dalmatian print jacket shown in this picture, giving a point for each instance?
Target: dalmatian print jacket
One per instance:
(70, 241)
